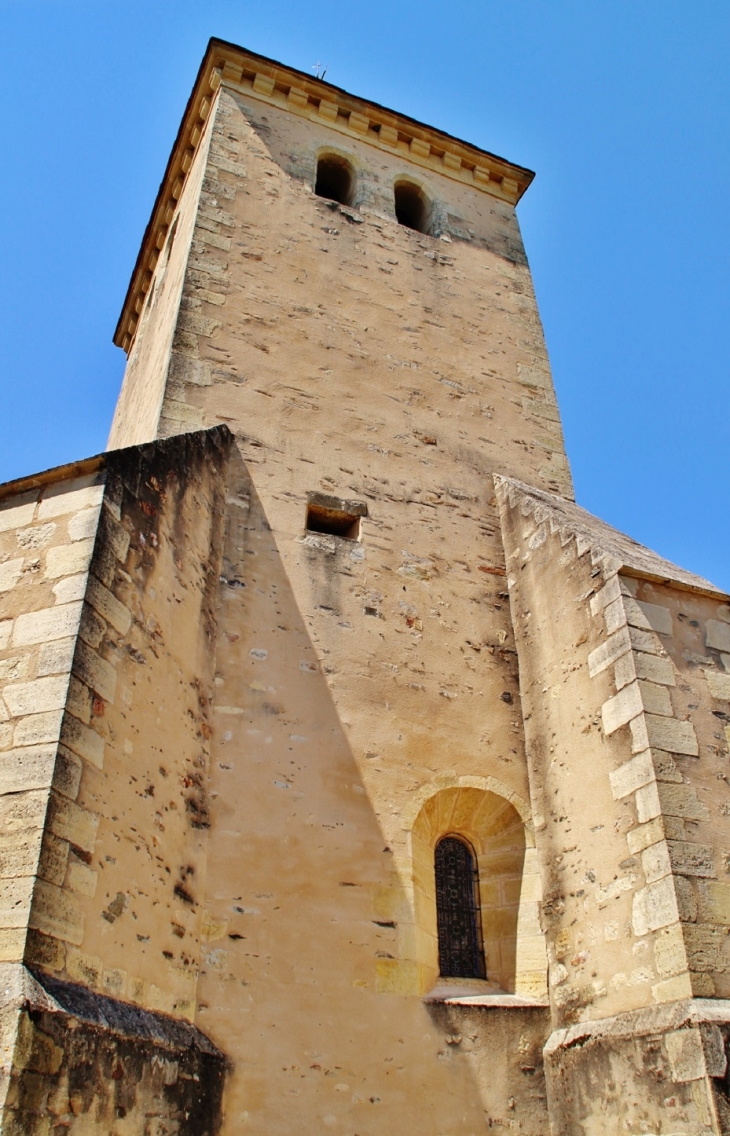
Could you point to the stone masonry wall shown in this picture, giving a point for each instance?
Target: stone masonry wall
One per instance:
(309, 972)
(624, 692)
(118, 907)
(137, 412)
(46, 541)
(441, 336)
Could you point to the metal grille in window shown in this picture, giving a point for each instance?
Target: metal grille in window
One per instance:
(461, 954)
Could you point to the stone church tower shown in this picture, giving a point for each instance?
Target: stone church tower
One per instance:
(352, 778)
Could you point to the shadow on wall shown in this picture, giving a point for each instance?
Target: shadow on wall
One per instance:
(300, 972)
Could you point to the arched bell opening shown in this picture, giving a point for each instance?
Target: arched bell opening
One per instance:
(335, 179)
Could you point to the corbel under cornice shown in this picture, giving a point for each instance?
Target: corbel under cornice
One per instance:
(273, 83)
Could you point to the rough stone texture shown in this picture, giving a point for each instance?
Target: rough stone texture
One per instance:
(231, 739)
(84, 1062)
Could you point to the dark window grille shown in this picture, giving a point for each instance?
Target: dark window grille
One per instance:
(461, 954)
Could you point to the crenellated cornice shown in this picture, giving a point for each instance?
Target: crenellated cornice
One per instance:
(301, 94)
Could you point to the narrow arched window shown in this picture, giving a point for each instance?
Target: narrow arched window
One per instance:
(461, 953)
(335, 179)
(412, 207)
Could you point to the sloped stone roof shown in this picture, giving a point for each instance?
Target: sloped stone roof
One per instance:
(592, 533)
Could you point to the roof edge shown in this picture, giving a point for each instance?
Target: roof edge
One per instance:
(276, 83)
(618, 551)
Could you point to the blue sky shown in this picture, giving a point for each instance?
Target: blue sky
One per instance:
(621, 106)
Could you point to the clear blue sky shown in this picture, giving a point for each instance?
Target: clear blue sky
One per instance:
(621, 106)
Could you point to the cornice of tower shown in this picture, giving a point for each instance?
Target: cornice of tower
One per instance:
(274, 83)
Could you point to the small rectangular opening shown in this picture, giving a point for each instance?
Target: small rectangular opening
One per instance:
(333, 516)
(333, 521)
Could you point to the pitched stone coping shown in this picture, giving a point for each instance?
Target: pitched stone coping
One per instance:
(636, 1023)
(67, 472)
(45, 992)
(607, 545)
(276, 84)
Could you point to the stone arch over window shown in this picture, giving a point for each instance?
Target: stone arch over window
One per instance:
(335, 178)
(412, 205)
(509, 886)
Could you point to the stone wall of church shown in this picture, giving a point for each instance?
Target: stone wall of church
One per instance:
(626, 695)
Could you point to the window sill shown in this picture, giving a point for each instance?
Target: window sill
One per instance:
(477, 992)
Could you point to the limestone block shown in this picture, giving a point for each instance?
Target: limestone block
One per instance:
(681, 801)
(69, 498)
(647, 802)
(53, 859)
(83, 525)
(27, 768)
(670, 956)
(648, 616)
(44, 951)
(108, 606)
(665, 767)
(615, 616)
(654, 668)
(655, 862)
(96, 672)
(18, 514)
(56, 657)
(38, 536)
(70, 822)
(686, 1055)
(38, 728)
(654, 906)
(605, 595)
(35, 697)
(655, 698)
(85, 968)
(631, 775)
(672, 735)
(646, 641)
(79, 700)
(68, 559)
(83, 741)
(12, 944)
(6, 628)
(22, 812)
(717, 634)
(67, 773)
(19, 853)
(689, 859)
(81, 878)
(716, 903)
(92, 627)
(686, 899)
(47, 624)
(10, 574)
(706, 947)
(719, 684)
(70, 589)
(624, 670)
(608, 652)
(620, 709)
(15, 899)
(15, 667)
(672, 989)
(643, 835)
(639, 734)
(56, 912)
(713, 1045)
